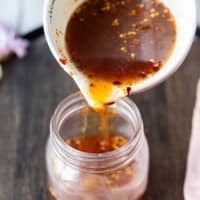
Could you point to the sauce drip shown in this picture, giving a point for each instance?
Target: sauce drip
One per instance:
(102, 123)
(119, 42)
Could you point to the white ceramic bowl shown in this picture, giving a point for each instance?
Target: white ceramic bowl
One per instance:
(57, 14)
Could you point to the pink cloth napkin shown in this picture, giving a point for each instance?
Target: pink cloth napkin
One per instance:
(192, 180)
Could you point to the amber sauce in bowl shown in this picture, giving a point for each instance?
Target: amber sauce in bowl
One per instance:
(117, 43)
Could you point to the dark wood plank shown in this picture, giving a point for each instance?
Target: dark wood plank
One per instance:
(32, 88)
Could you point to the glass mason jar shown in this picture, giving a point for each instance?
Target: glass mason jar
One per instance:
(120, 174)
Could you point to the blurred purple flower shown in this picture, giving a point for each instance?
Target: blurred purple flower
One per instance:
(10, 43)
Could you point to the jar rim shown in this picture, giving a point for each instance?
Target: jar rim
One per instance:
(132, 146)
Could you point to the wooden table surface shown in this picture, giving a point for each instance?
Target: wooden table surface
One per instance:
(32, 88)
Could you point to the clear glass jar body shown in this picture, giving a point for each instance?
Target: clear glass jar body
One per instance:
(117, 175)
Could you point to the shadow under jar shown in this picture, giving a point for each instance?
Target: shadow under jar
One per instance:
(119, 174)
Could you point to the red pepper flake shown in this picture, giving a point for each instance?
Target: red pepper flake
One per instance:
(146, 28)
(155, 69)
(115, 22)
(91, 84)
(109, 103)
(117, 82)
(128, 89)
(63, 61)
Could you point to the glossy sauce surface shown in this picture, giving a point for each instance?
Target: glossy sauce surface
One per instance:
(120, 41)
(97, 143)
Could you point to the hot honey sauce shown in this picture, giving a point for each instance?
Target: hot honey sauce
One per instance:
(116, 43)
(97, 143)
(111, 156)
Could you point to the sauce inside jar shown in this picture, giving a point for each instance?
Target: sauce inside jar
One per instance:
(119, 42)
(97, 143)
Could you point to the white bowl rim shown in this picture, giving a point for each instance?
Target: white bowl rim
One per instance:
(143, 85)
